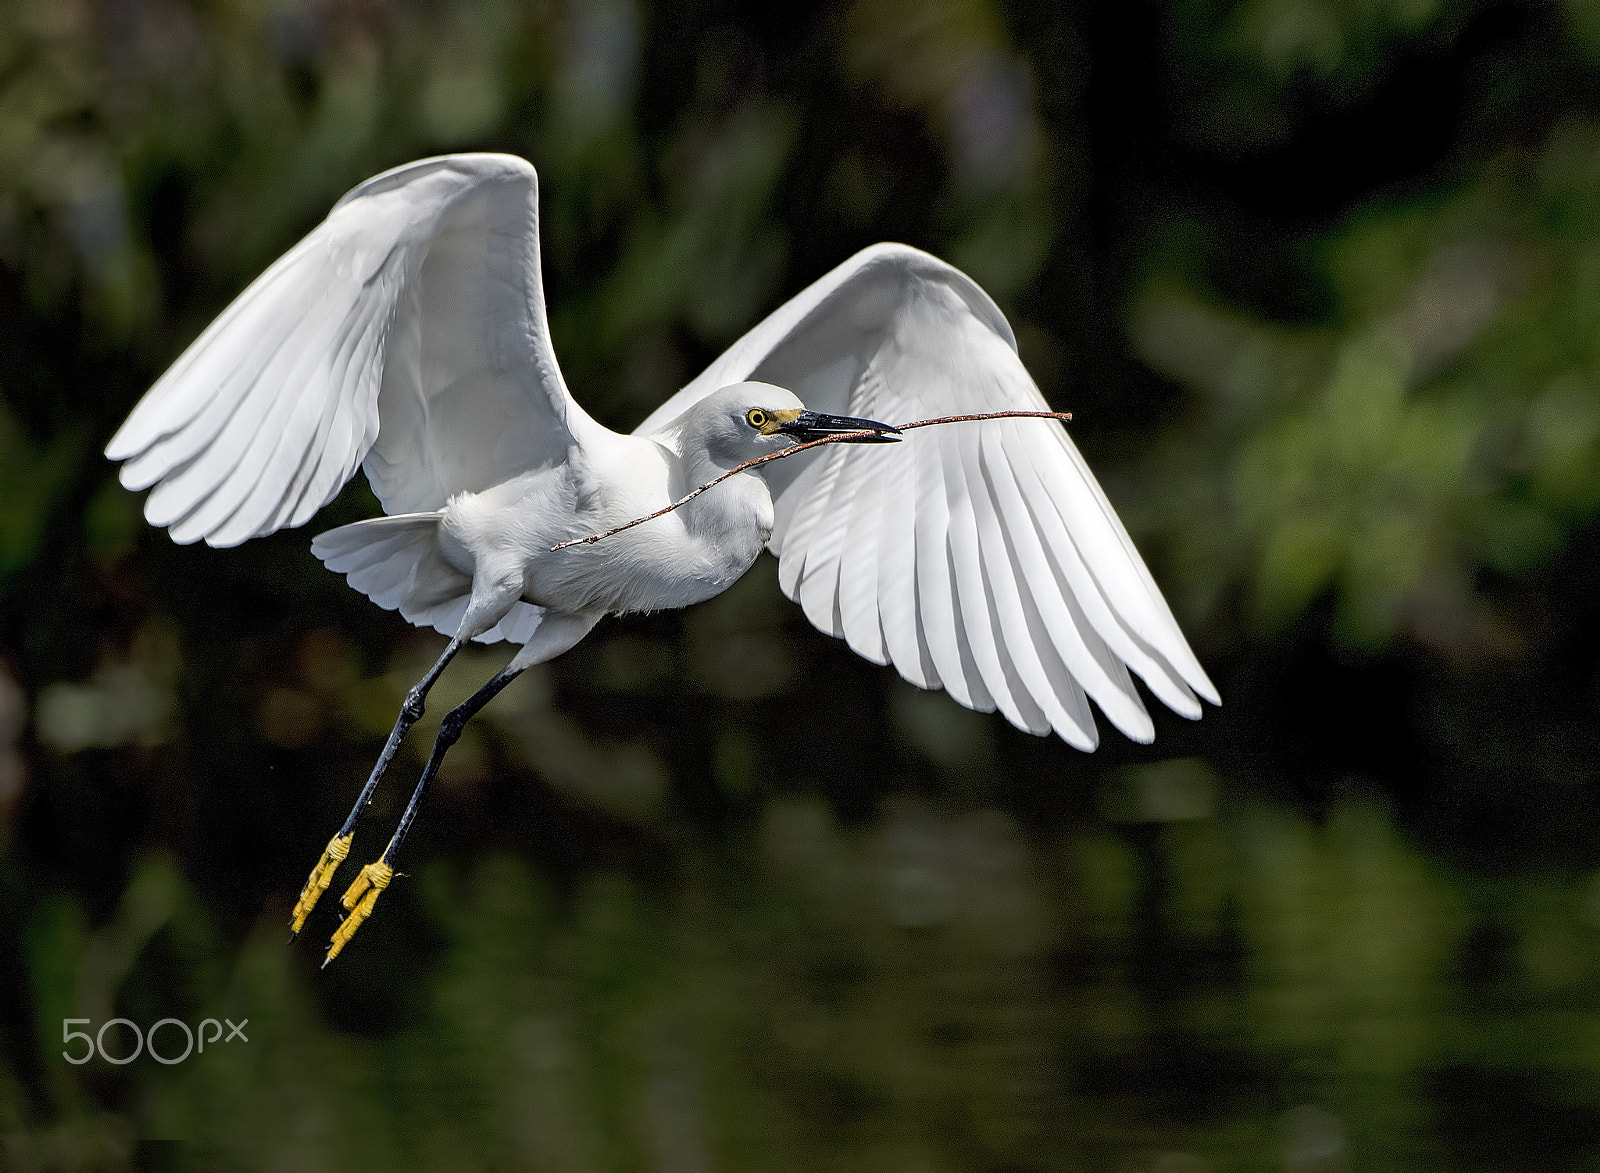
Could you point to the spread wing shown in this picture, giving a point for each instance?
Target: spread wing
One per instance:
(983, 558)
(407, 332)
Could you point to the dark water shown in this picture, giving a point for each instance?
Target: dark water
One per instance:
(598, 962)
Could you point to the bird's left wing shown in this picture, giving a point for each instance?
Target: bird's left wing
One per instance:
(984, 557)
(406, 332)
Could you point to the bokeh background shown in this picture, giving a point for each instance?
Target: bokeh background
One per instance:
(1320, 280)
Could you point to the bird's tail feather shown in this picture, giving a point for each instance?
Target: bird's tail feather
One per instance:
(396, 562)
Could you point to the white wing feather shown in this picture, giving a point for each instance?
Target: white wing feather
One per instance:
(983, 558)
(406, 332)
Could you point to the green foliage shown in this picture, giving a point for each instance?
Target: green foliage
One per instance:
(1440, 426)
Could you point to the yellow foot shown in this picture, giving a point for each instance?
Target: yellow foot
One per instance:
(359, 899)
(321, 876)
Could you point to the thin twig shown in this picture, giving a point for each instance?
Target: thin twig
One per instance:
(835, 438)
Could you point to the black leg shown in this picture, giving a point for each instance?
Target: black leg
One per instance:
(410, 713)
(449, 733)
(555, 634)
(375, 877)
(339, 847)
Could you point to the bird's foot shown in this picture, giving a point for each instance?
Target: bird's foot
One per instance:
(358, 901)
(321, 876)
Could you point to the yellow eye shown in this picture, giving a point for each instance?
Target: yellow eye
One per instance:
(756, 418)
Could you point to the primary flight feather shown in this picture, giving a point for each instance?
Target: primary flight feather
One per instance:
(407, 334)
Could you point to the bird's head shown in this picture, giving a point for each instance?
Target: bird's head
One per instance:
(746, 420)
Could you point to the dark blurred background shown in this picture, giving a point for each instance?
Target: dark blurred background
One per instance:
(1320, 280)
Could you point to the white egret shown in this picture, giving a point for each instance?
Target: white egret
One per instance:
(407, 334)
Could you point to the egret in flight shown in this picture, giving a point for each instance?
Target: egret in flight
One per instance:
(407, 334)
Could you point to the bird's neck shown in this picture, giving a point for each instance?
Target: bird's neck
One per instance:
(735, 514)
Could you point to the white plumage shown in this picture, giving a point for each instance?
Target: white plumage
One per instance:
(408, 334)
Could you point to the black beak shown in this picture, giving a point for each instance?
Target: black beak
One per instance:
(813, 425)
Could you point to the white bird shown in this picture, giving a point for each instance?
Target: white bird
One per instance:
(407, 334)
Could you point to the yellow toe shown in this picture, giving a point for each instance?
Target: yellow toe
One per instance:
(359, 899)
(321, 876)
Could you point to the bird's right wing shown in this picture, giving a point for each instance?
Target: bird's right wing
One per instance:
(407, 331)
(982, 557)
